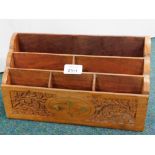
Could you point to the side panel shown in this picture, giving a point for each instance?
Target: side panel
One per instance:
(66, 106)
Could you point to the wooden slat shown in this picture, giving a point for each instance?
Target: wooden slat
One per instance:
(10, 60)
(146, 84)
(14, 43)
(146, 70)
(6, 79)
(147, 50)
(147, 46)
(50, 81)
(73, 60)
(94, 83)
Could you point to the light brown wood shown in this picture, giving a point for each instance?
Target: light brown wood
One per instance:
(146, 85)
(147, 46)
(50, 85)
(14, 43)
(76, 107)
(94, 82)
(112, 91)
(146, 72)
(73, 60)
(6, 77)
(146, 65)
(10, 60)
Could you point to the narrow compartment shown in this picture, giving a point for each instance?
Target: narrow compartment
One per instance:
(119, 65)
(40, 61)
(29, 77)
(119, 83)
(82, 44)
(75, 82)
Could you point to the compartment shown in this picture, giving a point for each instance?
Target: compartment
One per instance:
(81, 44)
(40, 61)
(119, 83)
(111, 64)
(75, 82)
(29, 77)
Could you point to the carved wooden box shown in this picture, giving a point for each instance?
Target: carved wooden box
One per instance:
(111, 92)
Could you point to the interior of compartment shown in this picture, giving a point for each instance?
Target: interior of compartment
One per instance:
(116, 65)
(102, 64)
(29, 77)
(40, 61)
(75, 82)
(119, 84)
(82, 44)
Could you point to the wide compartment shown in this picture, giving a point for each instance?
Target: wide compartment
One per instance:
(81, 44)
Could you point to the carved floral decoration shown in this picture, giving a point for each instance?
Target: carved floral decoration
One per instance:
(100, 109)
(31, 103)
(114, 110)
